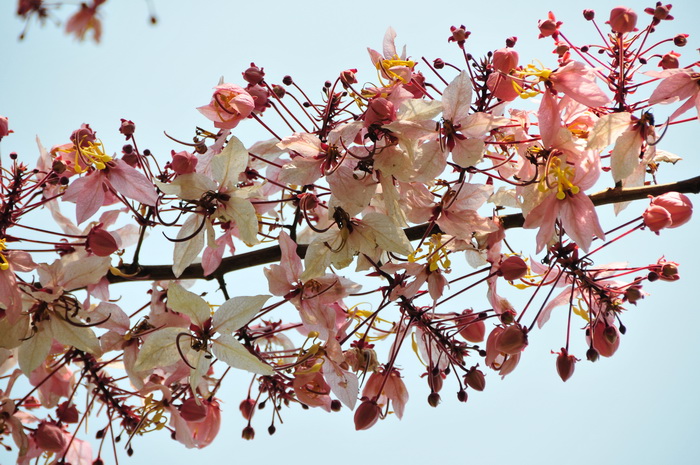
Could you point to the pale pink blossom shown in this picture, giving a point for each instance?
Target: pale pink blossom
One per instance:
(86, 20)
(229, 105)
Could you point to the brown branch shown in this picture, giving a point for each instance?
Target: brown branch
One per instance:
(272, 254)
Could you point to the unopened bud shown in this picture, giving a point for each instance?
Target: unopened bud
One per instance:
(347, 77)
(183, 162)
(271, 430)
(680, 40)
(366, 415)
(68, 413)
(101, 242)
(475, 379)
(592, 355)
(565, 365)
(336, 405)
(513, 268)
(50, 437)
(279, 91)
(511, 41)
(247, 408)
(622, 20)
(253, 75)
(127, 128)
(434, 399)
(438, 63)
(589, 15)
(670, 60)
(248, 433)
(287, 80)
(462, 395)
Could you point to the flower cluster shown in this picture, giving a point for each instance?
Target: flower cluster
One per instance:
(412, 183)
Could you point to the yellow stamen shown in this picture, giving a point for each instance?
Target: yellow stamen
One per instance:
(541, 74)
(386, 65)
(92, 155)
(562, 181)
(437, 255)
(4, 264)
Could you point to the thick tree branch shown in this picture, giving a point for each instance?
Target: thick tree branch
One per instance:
(272, 254)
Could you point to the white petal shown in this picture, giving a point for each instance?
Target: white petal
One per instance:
(190, 304)
(229, 350)
(236, 312)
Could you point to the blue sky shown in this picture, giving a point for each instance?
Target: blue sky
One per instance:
(641, 406)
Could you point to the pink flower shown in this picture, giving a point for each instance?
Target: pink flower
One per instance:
(196, 425)
(392, 389)
(229, 105)
(4, 127)
(678, 206)
(500, 83)
(85, 20)
(622, 20)
(549, 27)
(98, 188)
(183, 162)
(678, 84)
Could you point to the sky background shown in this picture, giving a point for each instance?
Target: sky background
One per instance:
(641, 406)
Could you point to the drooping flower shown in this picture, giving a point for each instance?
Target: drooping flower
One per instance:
(230, 104)
(86, 20)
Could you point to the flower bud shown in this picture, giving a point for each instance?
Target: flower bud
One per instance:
(68, 413)
(127, 128)
(462, 395)
(261, 97)
(248, 433)
(438, 63)
(512, 340)
(660, 12)
(379, 111)
(513, 268)
(475, 379)
(434, 399)
(680, 40)
(589, 15)
(287, 80)
(50, 437)
(592, 355)
(101, 242)
(366, 415)
(565, 364)
(183, 162)
(471, 327)
(678, 206)
(193, 412)
(336, 405)
(347, 77)
(505, 60)
(459, 35)
(549, 27)
(669, 272)
(279, 91)
(669, 60)
(656, 218)
(633, 294)
(4, 127)
(253, 75)
(622, 20)
(247, 408)
(511, 41)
